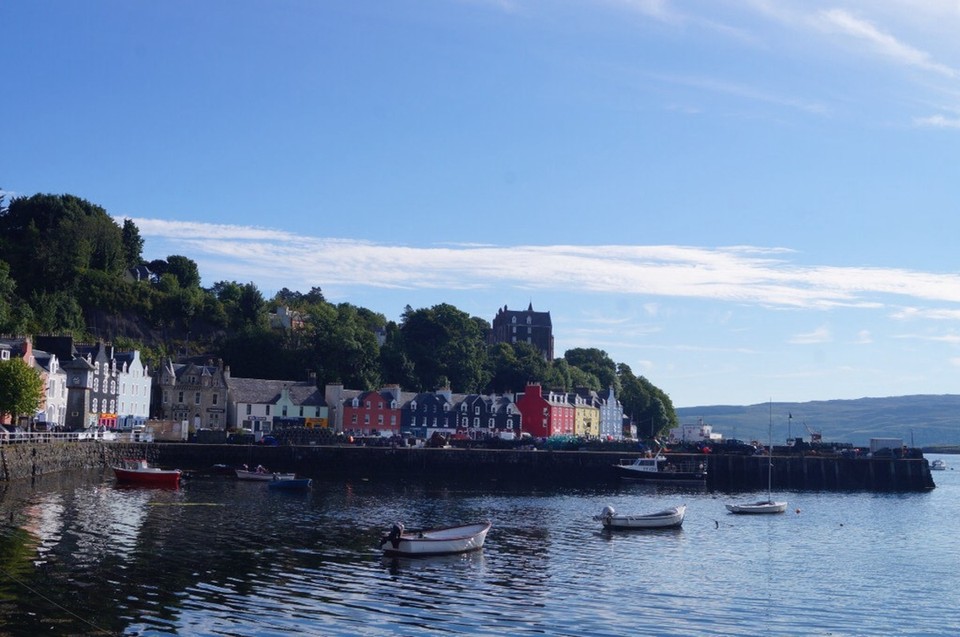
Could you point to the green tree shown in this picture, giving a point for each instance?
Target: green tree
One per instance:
(512, 365)
(597, 363)
(132, 244)
(343, 348)
(7, 297)
(445, 344)
(50, 240)
(21, 389)
(186, 270)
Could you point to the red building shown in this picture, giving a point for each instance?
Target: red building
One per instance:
(545, 415)
(373, 412)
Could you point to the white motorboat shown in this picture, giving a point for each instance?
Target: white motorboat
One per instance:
(670, 518)
(661, 469)
(938, 465)
(440, 541)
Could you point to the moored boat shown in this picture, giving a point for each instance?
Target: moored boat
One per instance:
(769, 505)
(938, 465)
(763, 506)
(660, 469)
(671, 518)
(290, 484)
(438, 541)
(261, 474)
(137, 471)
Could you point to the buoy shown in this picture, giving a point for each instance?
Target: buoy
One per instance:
(798, 511)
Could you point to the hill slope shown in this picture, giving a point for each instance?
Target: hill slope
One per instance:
(923, 419)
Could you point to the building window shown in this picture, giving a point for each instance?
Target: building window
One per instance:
(353, 419)
(196, 398)
(284, 411)
(380, 419)
(180, 397)
(166, 397)
(215, 398)
(249, 408)
(476, 422)
(268, 410)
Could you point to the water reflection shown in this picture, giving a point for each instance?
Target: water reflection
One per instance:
(231, 558)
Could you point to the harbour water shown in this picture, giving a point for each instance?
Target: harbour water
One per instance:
(82, 556)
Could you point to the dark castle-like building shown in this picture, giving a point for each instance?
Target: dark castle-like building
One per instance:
(524, 326)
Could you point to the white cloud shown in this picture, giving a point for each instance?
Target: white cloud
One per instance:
(820, 335)
(838, 20)
(746, 92)
(738, 274)
(864, 337)
(937, 121)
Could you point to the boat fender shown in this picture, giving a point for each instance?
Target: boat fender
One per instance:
(395, 532)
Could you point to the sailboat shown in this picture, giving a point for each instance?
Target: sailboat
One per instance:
(769, 505)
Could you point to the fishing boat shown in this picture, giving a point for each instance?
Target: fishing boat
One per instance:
(137, 471)
(658, 468)
(261, 474)
(290, 484)
(671, 518)
(769, 505)
(439, 541)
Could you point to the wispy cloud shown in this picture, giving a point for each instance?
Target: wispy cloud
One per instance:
(738, 274)
(746, 92)
(840, 21)
(820, 335)
(937, 121)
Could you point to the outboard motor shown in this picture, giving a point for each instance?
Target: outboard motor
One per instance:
(606, 514)
(396, 531)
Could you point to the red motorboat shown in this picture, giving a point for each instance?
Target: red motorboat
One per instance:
(139, 472)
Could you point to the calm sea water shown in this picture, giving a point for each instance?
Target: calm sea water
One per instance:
(218, 557)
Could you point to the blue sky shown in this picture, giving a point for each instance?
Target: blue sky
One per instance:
(741, 200)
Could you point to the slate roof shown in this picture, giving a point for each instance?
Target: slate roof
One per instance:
(259, 391)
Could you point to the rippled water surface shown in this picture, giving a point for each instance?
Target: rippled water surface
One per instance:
(220, 557)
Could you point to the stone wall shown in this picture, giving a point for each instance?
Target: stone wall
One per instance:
(504, 467)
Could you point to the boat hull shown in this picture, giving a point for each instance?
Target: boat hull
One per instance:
(260, 476)
(671, 518)
(291, 484)
(445, 541)
(683, 477)
(148, 477)
(758, 507)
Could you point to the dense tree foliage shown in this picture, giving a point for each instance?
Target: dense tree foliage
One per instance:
(446, 347)
(50, 240)
(21, 388)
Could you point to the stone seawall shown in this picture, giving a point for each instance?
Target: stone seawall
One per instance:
(569, 468)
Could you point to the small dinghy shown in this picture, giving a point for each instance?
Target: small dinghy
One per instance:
(442, 541)
(670, 518)
(290, 484)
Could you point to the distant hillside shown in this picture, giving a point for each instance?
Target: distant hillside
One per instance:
(926, 420)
